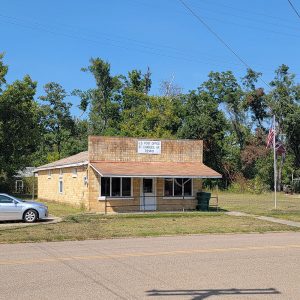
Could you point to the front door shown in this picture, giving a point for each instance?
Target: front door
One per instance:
(148, 199)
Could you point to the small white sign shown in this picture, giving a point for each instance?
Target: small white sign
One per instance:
(149, 147)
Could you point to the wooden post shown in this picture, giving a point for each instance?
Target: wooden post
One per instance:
(33, 186)
(217, 196)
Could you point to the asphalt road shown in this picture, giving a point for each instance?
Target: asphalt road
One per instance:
(248, 266)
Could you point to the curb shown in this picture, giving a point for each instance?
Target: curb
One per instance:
(20, 224)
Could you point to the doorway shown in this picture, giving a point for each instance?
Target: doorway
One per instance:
(148, 199)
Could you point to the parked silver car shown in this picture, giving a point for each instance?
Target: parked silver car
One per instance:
(12, 208)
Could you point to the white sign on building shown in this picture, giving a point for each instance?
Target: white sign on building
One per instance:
(149, 147)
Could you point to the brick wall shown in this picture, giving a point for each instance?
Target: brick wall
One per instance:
(74, 190)
(125, 149)
(97, 205)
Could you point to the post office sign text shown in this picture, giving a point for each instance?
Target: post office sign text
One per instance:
(149, 147)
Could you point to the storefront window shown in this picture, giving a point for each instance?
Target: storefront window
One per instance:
(126, 187)
(169, 187)
(187, 186)
(178, 187)
(105, 186)
(116, 186)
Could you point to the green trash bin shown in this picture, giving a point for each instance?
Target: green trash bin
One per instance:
(203, 200)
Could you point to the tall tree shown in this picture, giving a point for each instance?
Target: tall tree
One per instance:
(57, 123)
(150, 116)
(255, 98)
(3, 71)
(225, 89)
(18, 125)
(283, 101)
(103, 100)
(204, 120)
(138, 82)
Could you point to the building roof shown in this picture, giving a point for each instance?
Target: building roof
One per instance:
(74, 160)
(26, 172)
(154, 169)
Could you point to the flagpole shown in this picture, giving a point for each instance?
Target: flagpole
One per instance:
(275, 164)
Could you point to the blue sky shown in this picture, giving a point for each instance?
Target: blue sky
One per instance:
(53, 40)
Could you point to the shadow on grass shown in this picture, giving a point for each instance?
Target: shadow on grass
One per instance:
(203, 294)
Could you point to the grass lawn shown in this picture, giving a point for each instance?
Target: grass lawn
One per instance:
(288, 206)
(96, 226)
(57, 209)
(78, 225)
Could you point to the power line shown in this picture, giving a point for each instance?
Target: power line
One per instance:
(294, 8)
(119, 43)
(218, 37)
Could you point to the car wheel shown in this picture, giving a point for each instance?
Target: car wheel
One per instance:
(30, 216)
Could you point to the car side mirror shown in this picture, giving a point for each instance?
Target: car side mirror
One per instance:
(15, 202)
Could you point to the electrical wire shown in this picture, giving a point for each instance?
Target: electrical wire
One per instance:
(219, 38)
(143, 47)
(294, 8)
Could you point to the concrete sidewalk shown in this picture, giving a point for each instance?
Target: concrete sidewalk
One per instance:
(264, 218)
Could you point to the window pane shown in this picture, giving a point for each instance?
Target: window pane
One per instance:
(169, 187)
(105, 185)
(4, 199)
(178, 187)
(116, 186)
(126, 186)
(187, 186)
(60, 186)
(147, 185)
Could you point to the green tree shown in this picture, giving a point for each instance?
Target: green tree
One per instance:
(18, 125)
(255, 98)
(57, 124)
(150, 116)
(138, 82)
(224, 88)
(283, 101)
(3, 71)
(102, 101)
(204, 120)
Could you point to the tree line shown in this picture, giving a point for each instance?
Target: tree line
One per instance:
(232, 115)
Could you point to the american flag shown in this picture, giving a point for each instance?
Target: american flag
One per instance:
(270, 137)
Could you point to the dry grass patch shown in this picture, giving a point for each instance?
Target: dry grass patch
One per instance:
(95, 226)
(288, 206)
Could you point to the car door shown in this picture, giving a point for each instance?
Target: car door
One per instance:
(9, 208)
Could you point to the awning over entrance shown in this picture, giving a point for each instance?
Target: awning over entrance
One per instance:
(155, 169)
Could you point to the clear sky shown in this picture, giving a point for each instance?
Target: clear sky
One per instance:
(53, 40)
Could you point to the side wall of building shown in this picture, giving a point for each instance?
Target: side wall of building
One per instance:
(75, 191)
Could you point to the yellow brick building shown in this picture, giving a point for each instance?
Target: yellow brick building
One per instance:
(128, 174)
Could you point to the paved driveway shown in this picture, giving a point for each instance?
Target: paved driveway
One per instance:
(250, 266)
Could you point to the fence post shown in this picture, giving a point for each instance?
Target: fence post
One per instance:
(217, 196)
(105, 203)
(33, 186)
